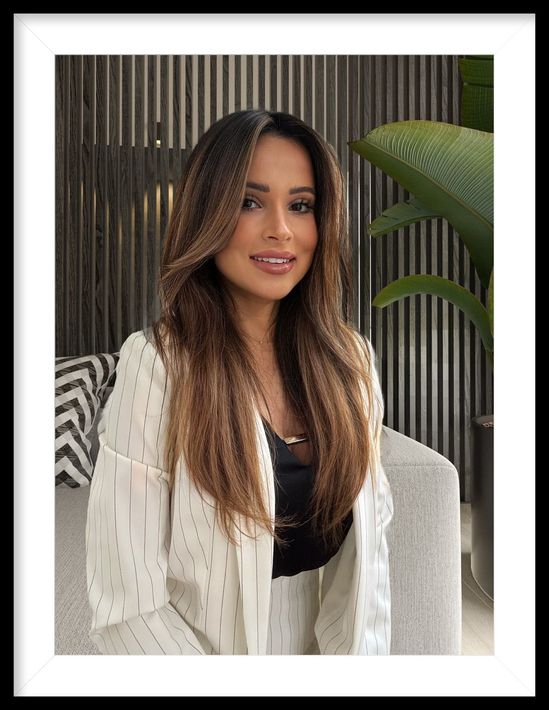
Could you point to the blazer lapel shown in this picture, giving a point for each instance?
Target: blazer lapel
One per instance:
(255, 558)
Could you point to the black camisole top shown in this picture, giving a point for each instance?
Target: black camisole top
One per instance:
(293, 485)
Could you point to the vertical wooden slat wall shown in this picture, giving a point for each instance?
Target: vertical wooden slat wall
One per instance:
(125, 126)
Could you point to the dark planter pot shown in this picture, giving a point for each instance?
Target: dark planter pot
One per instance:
(482, 503)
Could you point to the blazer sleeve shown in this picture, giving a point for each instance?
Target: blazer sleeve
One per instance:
(128, 526)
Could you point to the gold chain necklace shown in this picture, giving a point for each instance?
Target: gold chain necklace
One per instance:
(263, 339)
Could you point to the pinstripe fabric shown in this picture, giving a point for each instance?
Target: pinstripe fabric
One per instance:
(162, 579)
(294, 609)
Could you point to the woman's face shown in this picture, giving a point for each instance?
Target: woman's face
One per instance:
(274, 217)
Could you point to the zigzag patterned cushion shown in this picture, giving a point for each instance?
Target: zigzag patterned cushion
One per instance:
(82, 386)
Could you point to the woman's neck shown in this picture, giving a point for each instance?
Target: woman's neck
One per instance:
(258, 328)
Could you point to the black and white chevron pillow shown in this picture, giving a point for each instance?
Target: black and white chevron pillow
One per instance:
(82, 386)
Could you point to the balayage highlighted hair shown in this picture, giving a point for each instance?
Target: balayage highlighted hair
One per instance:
(215, 386)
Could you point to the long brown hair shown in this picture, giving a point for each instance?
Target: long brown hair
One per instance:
(326, 370)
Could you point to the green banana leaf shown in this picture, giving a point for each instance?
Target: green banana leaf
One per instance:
(449, 169)
(444, 288)
(477, 93)
(400, 215)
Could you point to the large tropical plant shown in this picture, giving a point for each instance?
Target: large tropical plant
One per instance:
(448, 170)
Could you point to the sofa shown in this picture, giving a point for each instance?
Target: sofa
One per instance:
(424, 537)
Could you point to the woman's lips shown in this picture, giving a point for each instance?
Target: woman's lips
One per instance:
(273, 268)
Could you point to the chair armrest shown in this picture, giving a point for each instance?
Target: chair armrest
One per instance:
(424, 541)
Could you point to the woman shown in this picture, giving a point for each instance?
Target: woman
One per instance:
(238, 503)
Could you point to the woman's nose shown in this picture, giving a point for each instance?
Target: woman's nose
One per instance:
(277, 224)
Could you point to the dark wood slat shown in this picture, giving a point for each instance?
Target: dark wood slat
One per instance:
(237, 79)
(402, 110)
(368, 102)
(261, 82)
(456, 103)
(295, 89)
(225, 110)
(273, 71)
(114, 282)
(139, 101)
(62, 73)
(411, 307)
(212, 105)
(88, 217)
(330, 126)
(73, 272)
(378, 323)
(447, 88)
(176, 107)
(175, 150)
(319, 98)
(441, 309)
(308, 89)
(415, 231)
(126, 89)
(341, 110)
(364, 189)
(178, 120)
(164, 172)
(138, 190)
(436, 97)
(385, 246)
(127, 237)
(249, 82)
(101, 213)
(188, 102)
(200, 97)
(453, 365)
(445, 82)
(428, 384)
(125, 241)
(79, 200)
(355, 198)
(285, 103)
(112, 261)
(151, 178)
(394, 244)
(440, 305)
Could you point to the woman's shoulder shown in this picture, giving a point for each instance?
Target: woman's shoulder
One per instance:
(138, 340)
(139, 345)
(139, 400)
(140, 361)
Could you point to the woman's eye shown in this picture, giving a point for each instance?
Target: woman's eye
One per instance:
(300, 204)
(304, 203)
(248, 199)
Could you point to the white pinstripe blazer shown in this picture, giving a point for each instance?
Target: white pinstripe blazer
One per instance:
(163, 579)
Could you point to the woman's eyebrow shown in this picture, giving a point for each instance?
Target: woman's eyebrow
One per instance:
(265, 188)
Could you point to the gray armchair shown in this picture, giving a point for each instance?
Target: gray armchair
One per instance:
(423, 539)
